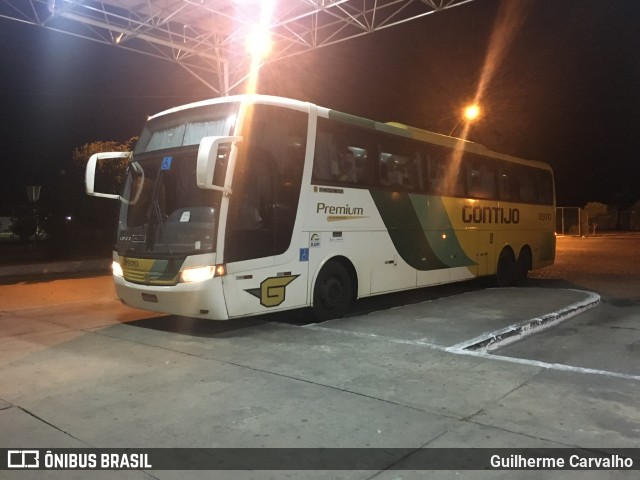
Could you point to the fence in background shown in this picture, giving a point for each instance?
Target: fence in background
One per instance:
(572, 221)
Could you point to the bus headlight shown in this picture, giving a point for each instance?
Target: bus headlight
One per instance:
(198, 274)
(116, 268)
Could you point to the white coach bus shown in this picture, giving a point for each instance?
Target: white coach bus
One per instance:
(252, 204)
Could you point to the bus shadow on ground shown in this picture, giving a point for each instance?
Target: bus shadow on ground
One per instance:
(557, 283)
(198, 327)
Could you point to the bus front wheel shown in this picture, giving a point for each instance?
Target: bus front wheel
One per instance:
(333, 292)
(506, 271)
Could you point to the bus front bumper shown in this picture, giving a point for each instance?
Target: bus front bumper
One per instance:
(199, 299)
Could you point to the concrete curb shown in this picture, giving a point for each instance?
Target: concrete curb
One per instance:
(489, 342)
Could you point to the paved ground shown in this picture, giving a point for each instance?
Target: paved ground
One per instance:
(607, 264)
(80, 370)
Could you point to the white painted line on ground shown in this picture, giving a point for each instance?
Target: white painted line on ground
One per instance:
(419, 342)
(490, 341)
(549, 366)
(489, 356)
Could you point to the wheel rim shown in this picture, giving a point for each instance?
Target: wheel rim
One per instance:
(332, 292)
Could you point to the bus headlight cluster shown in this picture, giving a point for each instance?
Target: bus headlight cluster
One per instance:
(116, 268)
(198, 274)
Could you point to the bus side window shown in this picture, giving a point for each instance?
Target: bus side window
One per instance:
(480, 178)
(436, 171)
(546, 187)
(341, 154)
(527, 190)
(362, 165)
(400, 171)
(415, 173)
(508, 185)
(399, 163)
(346, 166)
(390, 176)
(324, 169)
(444, 178)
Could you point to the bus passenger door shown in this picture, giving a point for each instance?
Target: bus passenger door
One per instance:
(267, 271)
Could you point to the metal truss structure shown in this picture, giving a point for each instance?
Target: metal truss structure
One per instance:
(208, 37)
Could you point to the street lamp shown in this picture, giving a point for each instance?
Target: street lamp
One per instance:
(470, 113)
(258, 43)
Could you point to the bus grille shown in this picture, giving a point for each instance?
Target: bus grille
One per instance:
(150, 272)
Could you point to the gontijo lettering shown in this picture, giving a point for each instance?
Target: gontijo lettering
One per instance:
(490, 215)
(338, 210)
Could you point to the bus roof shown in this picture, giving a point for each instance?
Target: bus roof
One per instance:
(393, 128)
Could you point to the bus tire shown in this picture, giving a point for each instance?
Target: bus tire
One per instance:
(506, 270)
(333, 292)
(523, 265)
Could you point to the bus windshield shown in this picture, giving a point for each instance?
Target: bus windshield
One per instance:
(187, 127)
(162, 211)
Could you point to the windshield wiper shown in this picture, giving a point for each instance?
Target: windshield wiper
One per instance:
(157, 216)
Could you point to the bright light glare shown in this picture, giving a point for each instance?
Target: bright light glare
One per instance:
(116, 269)
(220, 270)
(259, 43)
(198, 274)
(472, 112)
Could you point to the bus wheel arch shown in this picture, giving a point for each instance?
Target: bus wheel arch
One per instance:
(506, 268)
(523, 265)
(335, 289)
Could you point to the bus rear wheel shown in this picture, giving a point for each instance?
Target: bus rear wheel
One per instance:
(523, 265)
(506, 271)
(333, 292)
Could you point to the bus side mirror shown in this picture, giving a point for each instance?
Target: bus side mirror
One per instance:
(90, 172)
(213, 158)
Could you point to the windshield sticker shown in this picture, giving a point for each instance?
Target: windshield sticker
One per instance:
(166, 163)
(186, 216)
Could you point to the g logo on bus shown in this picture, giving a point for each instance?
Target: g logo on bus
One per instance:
(272, 290)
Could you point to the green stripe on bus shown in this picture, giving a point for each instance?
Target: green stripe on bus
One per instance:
(352, 119)
(405, 229)
(440, 234)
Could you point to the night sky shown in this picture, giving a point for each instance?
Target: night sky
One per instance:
(567, 91)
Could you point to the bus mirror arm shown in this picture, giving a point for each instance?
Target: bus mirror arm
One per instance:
(207, 159)
(90, 173)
